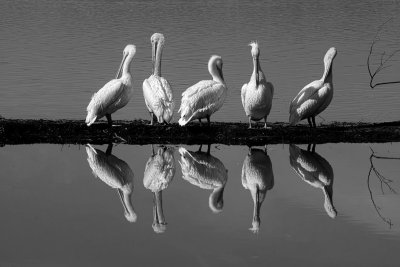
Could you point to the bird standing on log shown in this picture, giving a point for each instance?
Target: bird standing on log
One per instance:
(257, 94)
(315, 96)
(115, 94)
(205, 97)
(156, 89)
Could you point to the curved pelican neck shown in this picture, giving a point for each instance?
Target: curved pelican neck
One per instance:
(216, 73)
(327, 76)
(127, 64)
(126, 201)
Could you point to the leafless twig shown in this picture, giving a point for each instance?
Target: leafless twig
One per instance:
(383, 60)
(383, 181)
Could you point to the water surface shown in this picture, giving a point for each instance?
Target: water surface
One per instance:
(57, 211)
(56, 54)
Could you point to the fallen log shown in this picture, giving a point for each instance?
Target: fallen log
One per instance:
(20, 131)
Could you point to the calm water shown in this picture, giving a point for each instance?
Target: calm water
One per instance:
(79, 206)
(56, 212)
(55, 54)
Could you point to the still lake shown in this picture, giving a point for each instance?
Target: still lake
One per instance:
(60, 205)
(56, 212)
(56, 54)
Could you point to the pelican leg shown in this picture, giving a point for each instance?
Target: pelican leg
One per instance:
(265, 123)
(249, 122)
(309, 122)
(208, 120)
(309, 147)
(152, 149)
(200, 148)
(109, 120)
(313, 148)
(209, 149)
(200, 122)
(313, 120)
(109, 149)
(151, 118)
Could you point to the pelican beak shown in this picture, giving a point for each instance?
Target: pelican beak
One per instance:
(220, 73)
(153, 56)
(120, 66)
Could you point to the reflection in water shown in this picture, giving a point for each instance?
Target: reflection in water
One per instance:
(159, 172)
(116, 173)
(316, 171)
(257, 176)
(207, 172)
(383, 181)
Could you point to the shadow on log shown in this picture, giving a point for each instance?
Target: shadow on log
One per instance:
(16, 131)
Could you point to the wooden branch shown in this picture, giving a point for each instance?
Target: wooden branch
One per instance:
(383, 60)
(230, 133)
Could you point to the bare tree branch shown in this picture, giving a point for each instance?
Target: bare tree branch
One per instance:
(383, 182)
(383, 60)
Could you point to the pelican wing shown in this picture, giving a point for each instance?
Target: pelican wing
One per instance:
(310, 166)
(108, 168)
(158, 97)
(202, 170)
(203, 96)
(108, 96)
(308, 101)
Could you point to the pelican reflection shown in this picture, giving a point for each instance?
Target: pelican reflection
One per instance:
(116, 173)
(258, 177)
(315, 170)
(158, 174)
(207, 172)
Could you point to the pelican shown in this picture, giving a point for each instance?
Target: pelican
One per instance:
(207, 172)
(205, 97)
(315, 96)
(116, 173)
(316, 171)
(156, 89)
(115, 94)
(257, 94)
(158, 174)
(257, 176)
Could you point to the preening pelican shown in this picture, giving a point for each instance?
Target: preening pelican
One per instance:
(315, 96)
(205, 97)
(316, 171)
(115, 94)
(116, 173)
(207, 172)
(257, 94)
(156, 90)
(158, 174)
(257, 176)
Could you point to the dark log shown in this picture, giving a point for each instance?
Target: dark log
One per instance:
(18, 131)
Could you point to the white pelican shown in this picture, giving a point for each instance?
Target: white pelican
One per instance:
(116, 173)
(207, 172)
(115, 94)
(156, 89)
(257, 94)
(158, 174)
(315, 96)
(257, 176)
(316, 171)
(205, 97)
